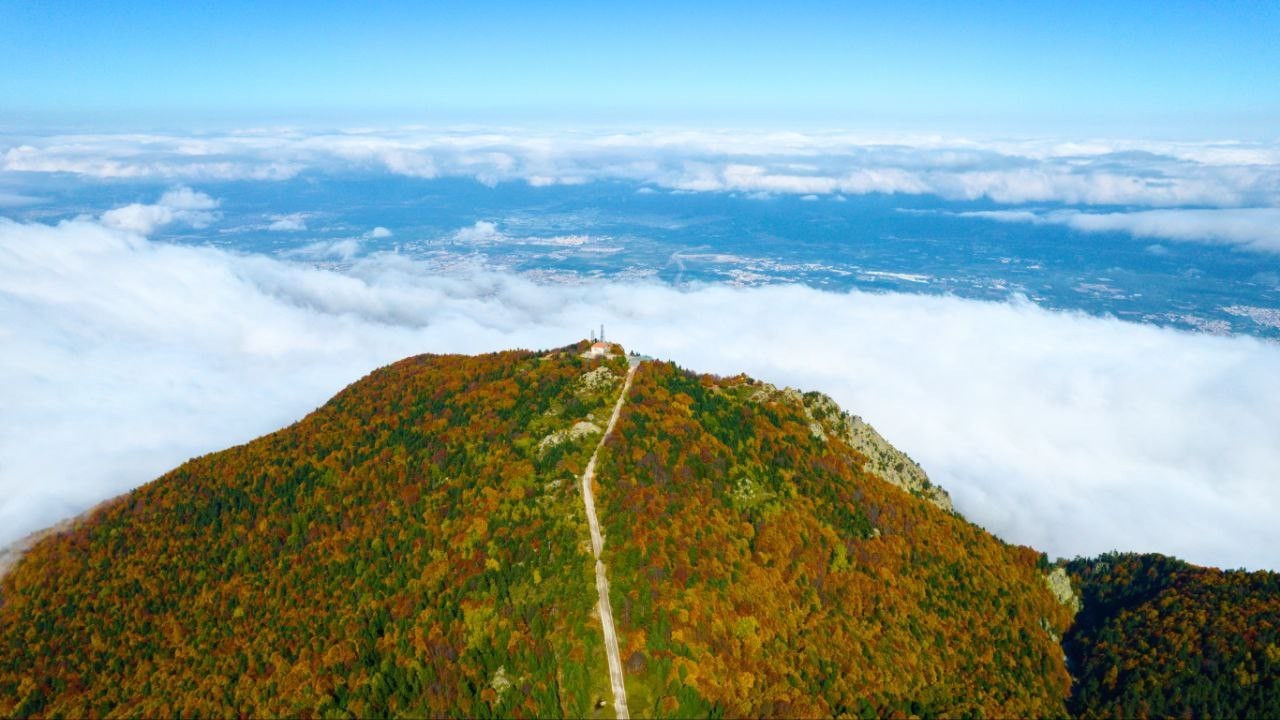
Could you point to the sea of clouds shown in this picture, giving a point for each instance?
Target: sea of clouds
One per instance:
(1206, 191)
(1251, 228)
(120, 357)
(1111, 171)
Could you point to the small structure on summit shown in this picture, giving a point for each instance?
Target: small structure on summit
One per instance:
(599, 348)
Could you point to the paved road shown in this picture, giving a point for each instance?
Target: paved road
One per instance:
(602, 582)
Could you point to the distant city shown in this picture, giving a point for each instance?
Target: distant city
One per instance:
(624, 231)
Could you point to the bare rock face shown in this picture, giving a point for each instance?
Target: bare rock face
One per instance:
(891, 463)
(883, 459)
(1060, 585)
(602, 378)
(579, 430)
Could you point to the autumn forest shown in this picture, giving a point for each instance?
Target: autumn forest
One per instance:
(417, 547)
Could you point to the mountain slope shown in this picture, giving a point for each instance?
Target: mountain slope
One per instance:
(1160, 637)
(406, 549)
(759, 568)
(418, 546)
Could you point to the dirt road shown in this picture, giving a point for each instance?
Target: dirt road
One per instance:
(602, 582)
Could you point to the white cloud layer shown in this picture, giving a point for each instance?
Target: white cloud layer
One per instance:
(1254, 228)
(179, 205)
(121, 357)
(1098, 172)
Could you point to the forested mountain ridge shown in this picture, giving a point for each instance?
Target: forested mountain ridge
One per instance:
(756, 561)
(406, 549)
(418, 547)
(1160, 637)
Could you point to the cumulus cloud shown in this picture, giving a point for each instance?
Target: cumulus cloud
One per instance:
(1255, 228)
(1093, 172)
(179, 205)
(378, 233)
(184, 198)
(483, 232)
(121, 357)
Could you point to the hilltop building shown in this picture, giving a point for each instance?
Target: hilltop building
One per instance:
(599, 348)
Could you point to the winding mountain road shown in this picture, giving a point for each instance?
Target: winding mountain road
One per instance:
(602, 582)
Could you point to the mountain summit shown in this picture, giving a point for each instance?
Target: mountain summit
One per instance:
(560, 533)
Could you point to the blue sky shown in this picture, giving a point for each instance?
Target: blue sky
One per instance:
(1182, 68)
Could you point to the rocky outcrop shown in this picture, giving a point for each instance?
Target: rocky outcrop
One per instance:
(579, 430)
(1059, 583)
(884, 460)
(891, 463)
(602, 378)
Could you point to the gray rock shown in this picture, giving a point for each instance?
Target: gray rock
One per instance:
(883, 460)
(1059, 583)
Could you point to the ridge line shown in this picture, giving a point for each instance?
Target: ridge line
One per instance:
(597, 544)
